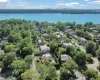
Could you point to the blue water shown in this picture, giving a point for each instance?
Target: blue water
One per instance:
(79, 18)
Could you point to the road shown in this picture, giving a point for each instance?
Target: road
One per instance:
(33, 65)
(94, 65)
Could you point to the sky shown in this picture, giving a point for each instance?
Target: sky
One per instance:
(50, 4)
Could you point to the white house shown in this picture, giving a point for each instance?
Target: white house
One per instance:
(48, 56)
(65, 45)
(44, 48)
(65, 57)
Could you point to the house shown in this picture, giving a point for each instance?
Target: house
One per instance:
(44, 48)
(82, 41)
(46, 35)
(59, 33)
(40, 42)
(70, 32)
(91, 29)
(65, 57)
(75, 37)
(65, 45)
(58, 36)
(46, 57)
(68, 27)
(95, 32)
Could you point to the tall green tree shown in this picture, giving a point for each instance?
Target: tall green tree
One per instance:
(19, 66)
(91, 47)
(47, 72)
(30, 75)
(67, 69)
(80, 58)
(90, 73)
(8, 59)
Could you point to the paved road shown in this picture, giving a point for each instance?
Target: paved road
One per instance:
(94, 65)
(33, 66)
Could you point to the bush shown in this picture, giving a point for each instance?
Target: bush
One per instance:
(89, 59)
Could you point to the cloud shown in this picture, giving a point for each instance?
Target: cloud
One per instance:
(83, 5)
(74, 3)
(3, 1)
(67, 4)
(95, 2)
(86, 0)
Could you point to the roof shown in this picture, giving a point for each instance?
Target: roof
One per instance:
(59, 33)
(47, 55)
(67, 44)
(82, 39)
(75, 36)
(44, 48)
(58, 36)
(46, 35)
(64, 57)
(95, 31)
(68, 27)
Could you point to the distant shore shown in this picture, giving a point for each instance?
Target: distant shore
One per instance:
(62, 11)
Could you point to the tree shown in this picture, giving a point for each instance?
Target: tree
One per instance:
(30, 75)
(89, 24)
(1, 64)
(70, 50)
(10, 48)
(53, 46)
(91, 47)
(8, 59)
(51, 73)
(47, 72)
(19, 66)
(60, 26)
(14, 37)
(78, 26)
(2, 55)
(25, 47)
(17, 37)
(98, 53)
(90, 73)
(11, 38)
(26, 51)
(80, 58)
(26, 34)
(67, 69)
(83, 34)
(98, 67)
(89, 58)
(28, 59)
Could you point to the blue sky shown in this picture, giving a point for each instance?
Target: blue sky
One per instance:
(42, 4)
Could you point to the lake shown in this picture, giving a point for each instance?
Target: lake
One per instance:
(79, 18)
